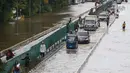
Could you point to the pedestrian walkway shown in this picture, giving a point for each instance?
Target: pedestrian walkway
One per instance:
(113, 53)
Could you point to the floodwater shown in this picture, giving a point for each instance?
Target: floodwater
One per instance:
(11, 34)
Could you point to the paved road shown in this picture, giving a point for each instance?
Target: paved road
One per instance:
(113, 53)
(62, 62)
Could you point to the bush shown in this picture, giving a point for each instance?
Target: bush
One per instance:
(58, 4)
(46, 8)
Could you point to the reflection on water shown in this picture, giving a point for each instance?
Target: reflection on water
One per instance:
(10, 34)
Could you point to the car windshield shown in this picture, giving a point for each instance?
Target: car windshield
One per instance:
(103, 14)
(71, 38)
(82, 33)
(90, 21)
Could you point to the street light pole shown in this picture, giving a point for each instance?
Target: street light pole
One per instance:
(29, 7)
(17, 10)
(40, 6)
(20, 12)
(17, 19)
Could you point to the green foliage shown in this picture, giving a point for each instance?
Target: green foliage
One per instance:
(5, 9)
(46, 8)
(35, 6)
(58, 4)
(20, 4)
(27, 7)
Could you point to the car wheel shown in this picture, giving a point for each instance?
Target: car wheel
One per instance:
(88, 41)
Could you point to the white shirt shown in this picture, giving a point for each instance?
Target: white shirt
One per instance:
(43, 48)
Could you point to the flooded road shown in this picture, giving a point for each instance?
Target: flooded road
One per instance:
(12, 34)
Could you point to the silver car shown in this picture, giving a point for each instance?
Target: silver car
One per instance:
(91, 23)
(103, 15)
(83, 36)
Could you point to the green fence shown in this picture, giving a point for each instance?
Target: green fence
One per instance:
(34, 49)
(103, 7)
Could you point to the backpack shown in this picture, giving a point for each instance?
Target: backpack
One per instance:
(16, 68)
(9, 54)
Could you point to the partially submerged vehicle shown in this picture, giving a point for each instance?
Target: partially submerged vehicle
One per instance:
(71, 42)
(103, 15)
(83, 36)
(91, 23)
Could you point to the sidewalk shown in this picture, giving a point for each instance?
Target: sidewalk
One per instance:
(113, 53)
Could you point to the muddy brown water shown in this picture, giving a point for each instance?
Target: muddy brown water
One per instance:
(11, 34)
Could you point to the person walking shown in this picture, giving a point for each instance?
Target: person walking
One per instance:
(123, 26)
(80, 20)
(16, 68)
(9, 54)
(42, 49)
(67, 25)
(27, 60)
(107, 21)
(76, 26)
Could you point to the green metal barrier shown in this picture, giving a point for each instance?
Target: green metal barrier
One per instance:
(34, 51)
(103, 7)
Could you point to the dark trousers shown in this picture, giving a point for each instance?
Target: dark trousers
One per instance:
(124, 28)
(42, 54)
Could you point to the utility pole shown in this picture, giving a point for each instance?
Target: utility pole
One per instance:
(17, 18)
(30, 21)
(17, 10)
(40, 6)
(29, 7)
